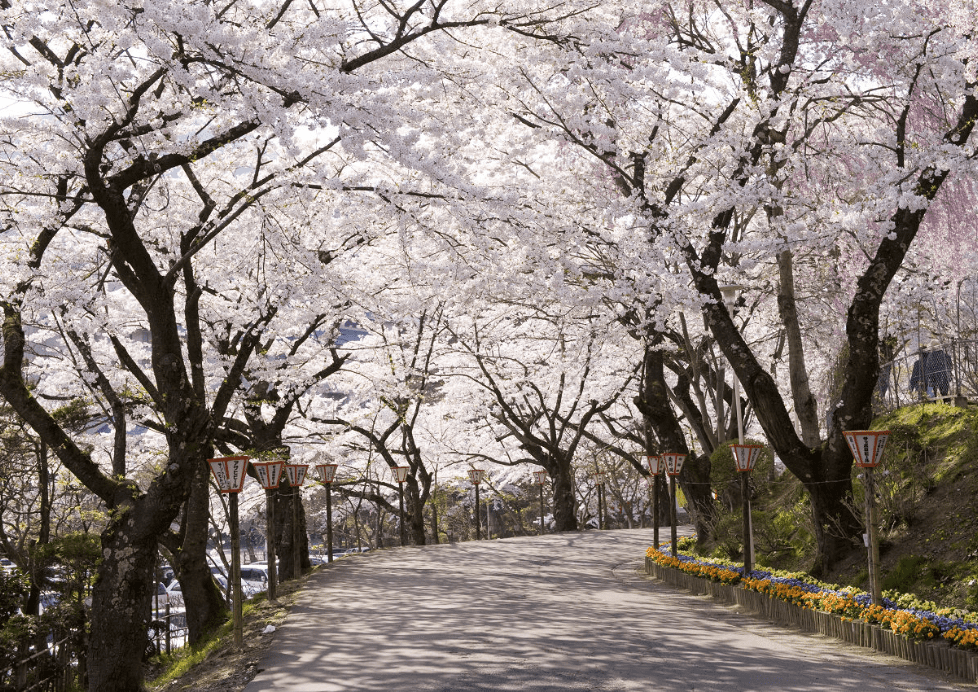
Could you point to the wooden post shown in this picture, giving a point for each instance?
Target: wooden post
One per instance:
(400, 499)
(748, 547)
(601, 523)
(237, 605)
(655, 511)
(329, 522)
(478, 520)
(270, 544)
(296, 551)
(672, 514)
(872, 543)
(541, 510)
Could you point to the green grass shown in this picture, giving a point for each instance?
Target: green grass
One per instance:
(182, 660)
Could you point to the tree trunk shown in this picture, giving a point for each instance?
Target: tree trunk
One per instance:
(805, 407)
(121, 602)
(564, 499)
(286, 497)
(835, 523)
(205, 605)
(653, 402)
(414, 510)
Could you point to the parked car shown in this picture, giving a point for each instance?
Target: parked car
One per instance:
(254, 579)
(175, 593)
(162, 596)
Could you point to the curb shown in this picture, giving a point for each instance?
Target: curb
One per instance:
(940, 655)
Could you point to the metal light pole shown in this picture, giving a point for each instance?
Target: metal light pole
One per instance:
(867, 447)
(327, 472)
(270, 475)
(541, 478)
(475, 476)
(674, 464)
(296, 474)
(401, 473)
(655, 468)
(229, 474)
(745, 457)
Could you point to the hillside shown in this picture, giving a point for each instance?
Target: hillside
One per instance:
(928, 517)
(928, 483)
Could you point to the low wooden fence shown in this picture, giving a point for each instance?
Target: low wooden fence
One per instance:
(57, 667)
(936, 654)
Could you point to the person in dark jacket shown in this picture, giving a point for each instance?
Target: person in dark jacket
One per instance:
(931, 375)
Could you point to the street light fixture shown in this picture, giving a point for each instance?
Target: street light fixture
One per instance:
(867, 447)
(475, 477)
(229, 474)
(401, 474)
(326, 473)
(270, 476)
(745, 457)
(655, 468)
(541, 477)
(674, 464)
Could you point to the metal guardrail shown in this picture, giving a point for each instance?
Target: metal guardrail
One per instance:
(60, 665)
(169, 631)
(948, 373)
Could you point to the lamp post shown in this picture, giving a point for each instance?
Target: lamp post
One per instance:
(297, 475)
(867, 447)
(401, 474)
(541, 478)
(327, 472)
(745, 457)
(655, 468)
(475, 476)
(674, 464)
(270, 475)
(229, 474)
(599, 479)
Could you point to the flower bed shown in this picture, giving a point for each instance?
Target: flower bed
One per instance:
(908, 632)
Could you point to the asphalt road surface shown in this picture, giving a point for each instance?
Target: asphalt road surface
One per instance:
(549, 613)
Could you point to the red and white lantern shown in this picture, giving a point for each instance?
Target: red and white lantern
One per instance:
(326, 472)
(867, 446)
(269, 473)
(476, 475)
(746, 456)
(229, 473)
(655, 464)
(540, 477)
(400, 473)
(600, 477)
(674, 463)
(296, 474)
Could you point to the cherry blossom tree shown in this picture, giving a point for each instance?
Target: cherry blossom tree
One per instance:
(739, 144)
(146, 140)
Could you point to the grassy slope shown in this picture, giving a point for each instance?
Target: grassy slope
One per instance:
(927, 503)
(928, 510)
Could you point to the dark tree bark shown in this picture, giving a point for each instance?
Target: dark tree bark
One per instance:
(204, 601)
(653, 402)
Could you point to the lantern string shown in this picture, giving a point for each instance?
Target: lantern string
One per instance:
(841, 480)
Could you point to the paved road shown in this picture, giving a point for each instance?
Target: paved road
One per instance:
(550, 613)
